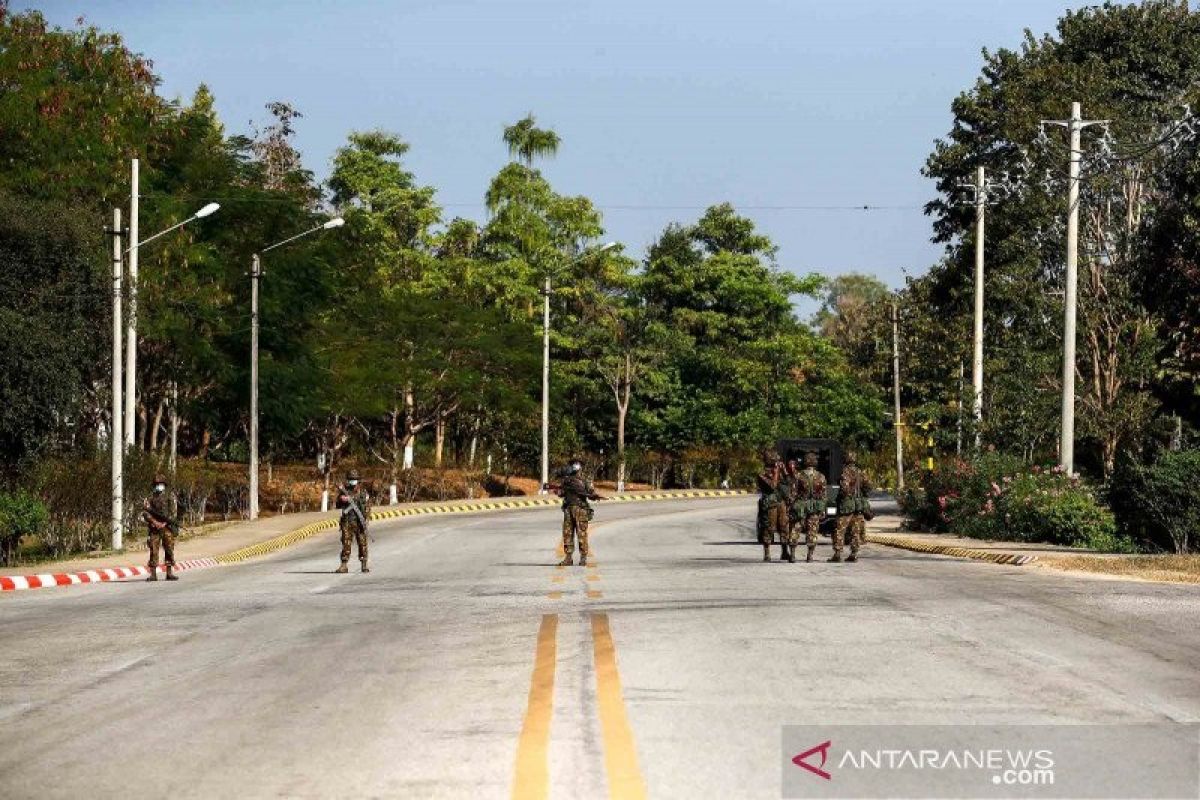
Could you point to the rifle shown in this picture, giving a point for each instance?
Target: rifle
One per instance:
(352, 504)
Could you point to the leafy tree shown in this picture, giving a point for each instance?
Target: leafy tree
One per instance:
(1134, 65)
(53, 299)
(75, 106)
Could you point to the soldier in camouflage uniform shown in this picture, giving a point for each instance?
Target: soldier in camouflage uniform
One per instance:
(575, 491)
(161, 527)
(808, 507)
(852, 506)
(787, 492)
(772, 504)
(355, 504)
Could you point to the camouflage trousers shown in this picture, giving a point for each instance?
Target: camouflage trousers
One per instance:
(853, 525)
(575, 524)
(351, 532)
(772, 521)
(811, 525)
(167, 539)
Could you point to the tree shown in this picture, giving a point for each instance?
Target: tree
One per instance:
(76, 105)
(1134, 65)
(852, 313)
(53, 297)
(526, 141)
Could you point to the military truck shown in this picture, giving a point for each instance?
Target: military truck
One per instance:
(829, 461)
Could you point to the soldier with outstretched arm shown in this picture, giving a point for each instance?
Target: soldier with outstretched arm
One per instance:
(355, 504)
(576, 491)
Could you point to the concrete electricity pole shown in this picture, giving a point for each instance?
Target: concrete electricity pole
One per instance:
(115, 439)
(899, 425)
(131, 330)
(980, 188)
(545, 386)
(977, 357)
(1074, 126)
(256, 273)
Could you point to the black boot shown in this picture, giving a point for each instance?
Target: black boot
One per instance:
(153, 574)
(837, 558)
(171, 576)
(568, 561)
(791, 553)
(810, 554)
(766, 552)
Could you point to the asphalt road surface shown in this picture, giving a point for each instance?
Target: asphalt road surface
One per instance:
(466, 665)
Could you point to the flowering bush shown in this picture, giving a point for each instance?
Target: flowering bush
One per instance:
(996, 497)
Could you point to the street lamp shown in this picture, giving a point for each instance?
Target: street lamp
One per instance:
(255, 274)
(131, 337)
(546, 358)
(125, 438)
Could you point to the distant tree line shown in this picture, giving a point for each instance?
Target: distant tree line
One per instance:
(405, 336)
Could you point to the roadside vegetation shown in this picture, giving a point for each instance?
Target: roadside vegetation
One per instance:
(407, 343)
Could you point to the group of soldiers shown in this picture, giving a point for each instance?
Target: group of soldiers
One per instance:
(793, 499)
(352, 499)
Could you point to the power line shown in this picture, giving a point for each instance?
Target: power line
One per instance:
(602, 206)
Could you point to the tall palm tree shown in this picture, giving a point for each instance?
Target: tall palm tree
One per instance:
(527, 141)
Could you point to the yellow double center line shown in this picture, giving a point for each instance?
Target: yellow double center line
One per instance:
(532, 778)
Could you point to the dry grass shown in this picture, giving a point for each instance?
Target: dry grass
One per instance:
(1171, 569)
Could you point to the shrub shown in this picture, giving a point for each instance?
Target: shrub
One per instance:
(1158, 504)
(21, 514)
(997, 497)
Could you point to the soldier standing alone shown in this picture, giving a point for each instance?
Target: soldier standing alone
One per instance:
(852, 509)
(355, 504)
(772, 506)
(161, 527)
(575, 491)
(809, 506)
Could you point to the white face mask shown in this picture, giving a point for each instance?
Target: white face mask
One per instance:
(352, 484)
(159, 488)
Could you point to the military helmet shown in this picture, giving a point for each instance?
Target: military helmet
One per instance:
(159, 478)
(353, 475)
(851, 457)
(810, 459)
(769, 455)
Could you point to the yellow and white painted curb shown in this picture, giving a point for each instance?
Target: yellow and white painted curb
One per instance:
(455, 507)
(922, 546)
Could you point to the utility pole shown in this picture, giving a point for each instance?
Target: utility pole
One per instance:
(255, 274)
(545, 386)
(980, 189)
(977, 359)
(116, 440)
(131, 330)
(1074, 126)
(899, 425)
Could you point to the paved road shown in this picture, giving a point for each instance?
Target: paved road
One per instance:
(466, 665)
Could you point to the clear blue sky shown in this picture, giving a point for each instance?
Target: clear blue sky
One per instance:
(663, 107)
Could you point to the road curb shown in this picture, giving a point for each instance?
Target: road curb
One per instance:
(921, 546)
(19, 582)
(15, 583)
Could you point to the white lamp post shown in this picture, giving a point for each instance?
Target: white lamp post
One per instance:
(256, 273)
